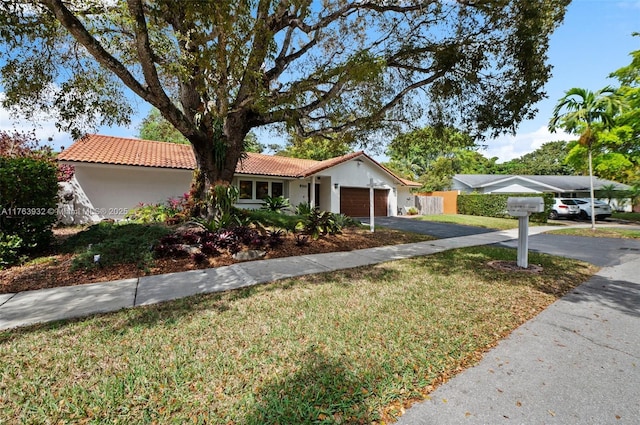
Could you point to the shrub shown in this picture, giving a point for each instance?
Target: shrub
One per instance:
(495, 205)
(275, 204)
(319, 223)
(412, 211)
(344, 221)
(172, 211)
(10, 247)
(303, 208)
(115, 244)
(275, 238)
(28, 200)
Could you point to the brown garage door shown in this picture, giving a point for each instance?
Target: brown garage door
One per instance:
(354, 202)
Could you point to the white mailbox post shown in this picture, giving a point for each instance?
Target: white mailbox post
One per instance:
(522, 208)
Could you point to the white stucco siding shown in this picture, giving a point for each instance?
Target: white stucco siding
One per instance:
(406, 199)
(358, 174)
(114, 189)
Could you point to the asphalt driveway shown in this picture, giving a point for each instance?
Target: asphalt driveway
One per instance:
(439, 230)
(598, 251)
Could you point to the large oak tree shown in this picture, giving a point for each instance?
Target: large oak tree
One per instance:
(215, 69)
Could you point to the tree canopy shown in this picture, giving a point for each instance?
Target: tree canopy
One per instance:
(318, 148)
(312, 67)
(547, 160)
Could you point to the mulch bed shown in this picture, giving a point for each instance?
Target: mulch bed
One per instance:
(512, 266)
(56, 270)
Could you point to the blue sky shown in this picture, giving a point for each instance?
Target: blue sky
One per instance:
(594, 40)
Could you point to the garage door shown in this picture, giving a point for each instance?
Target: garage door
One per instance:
(354, 202)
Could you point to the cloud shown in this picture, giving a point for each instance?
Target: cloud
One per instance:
(43, 127)
(630, 4)
(509, 147)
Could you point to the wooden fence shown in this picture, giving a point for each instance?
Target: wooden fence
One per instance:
(429, 205)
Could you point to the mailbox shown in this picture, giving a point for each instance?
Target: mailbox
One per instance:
(522, 207)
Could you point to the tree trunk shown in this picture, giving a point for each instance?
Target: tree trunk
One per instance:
(216, 160)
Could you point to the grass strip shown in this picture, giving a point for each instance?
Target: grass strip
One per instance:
(477, 221)
(602, 232)
(353, 346)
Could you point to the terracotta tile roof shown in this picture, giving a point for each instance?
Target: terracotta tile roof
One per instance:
(269, 165)
(95, 148)
(122, 151)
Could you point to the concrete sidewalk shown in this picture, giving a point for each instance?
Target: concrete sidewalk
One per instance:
(46, 305)
(577, 362)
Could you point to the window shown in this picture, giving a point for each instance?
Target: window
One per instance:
(262, 190)
(246, 189)
(277, 189)
(256, 190)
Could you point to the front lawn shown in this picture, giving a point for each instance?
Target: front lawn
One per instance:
(629, 216)
(477, 221)
(354, 346)
(600, 232)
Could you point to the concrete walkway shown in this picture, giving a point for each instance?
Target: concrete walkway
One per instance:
(578, 362)
(46, 305)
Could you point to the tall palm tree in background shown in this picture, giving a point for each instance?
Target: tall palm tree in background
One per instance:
(585, 113)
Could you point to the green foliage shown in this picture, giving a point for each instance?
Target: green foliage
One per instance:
(319, 223)
(317, 148)
(275, 203)
(28, 200)
(172, 211)
(343, 221)
(10, 248)
(155, 127)
(303, 208)
(266, 218)
(357, 71)
(428, 155)
(251, 143)
(221, 221)
(547, 160)
(495, 205)
(115, 244)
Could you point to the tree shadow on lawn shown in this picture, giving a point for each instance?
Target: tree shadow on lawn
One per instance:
(557, 278)
(323, 390)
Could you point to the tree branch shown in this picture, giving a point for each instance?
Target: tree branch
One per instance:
(80, 33)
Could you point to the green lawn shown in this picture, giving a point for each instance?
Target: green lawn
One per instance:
(345, 347)
(627, 216)
(600, 232)
(474, 220)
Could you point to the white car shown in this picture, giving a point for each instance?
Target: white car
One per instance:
(602, 210)
(564, 208)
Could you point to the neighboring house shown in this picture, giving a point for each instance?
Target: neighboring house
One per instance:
(560, 186)
(114, 174)
(566, 186)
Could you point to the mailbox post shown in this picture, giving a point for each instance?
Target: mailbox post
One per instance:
(522, 208)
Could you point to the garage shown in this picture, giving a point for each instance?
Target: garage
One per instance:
(354, 202)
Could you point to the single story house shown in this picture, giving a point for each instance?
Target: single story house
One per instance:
(114, 174)
(565, 186)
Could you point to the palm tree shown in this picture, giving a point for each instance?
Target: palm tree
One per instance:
(585, 113)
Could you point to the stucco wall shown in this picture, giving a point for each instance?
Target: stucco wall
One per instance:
(406, 199)
(114, 189)
(358, 173)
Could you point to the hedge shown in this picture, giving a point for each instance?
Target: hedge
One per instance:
(28, 200)
(495, 205)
